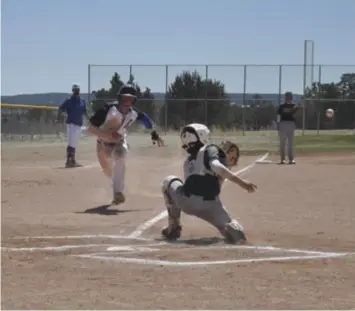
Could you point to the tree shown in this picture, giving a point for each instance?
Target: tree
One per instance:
(102, 96)
(346, 85)
(336, 95)
(191, 98)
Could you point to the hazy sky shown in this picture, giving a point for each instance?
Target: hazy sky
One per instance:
(47, 45)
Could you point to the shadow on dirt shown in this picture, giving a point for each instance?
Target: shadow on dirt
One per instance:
(105, 210)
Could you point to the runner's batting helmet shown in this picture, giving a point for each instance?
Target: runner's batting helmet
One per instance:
(127, 90)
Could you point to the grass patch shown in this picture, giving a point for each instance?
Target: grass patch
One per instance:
(310, 143)
(325, 143)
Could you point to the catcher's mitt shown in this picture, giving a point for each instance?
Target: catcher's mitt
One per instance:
(231, 151)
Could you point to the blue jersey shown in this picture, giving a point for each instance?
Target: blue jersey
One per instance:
(75, 107)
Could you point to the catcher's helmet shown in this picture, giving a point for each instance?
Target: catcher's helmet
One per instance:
(194, 133)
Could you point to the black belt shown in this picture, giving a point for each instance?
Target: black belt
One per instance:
(205, 197)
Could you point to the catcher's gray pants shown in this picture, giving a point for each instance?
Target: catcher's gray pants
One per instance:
(213, 211)
(287, 132)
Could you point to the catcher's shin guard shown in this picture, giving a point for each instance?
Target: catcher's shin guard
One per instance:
(234, 233)
(173, 230)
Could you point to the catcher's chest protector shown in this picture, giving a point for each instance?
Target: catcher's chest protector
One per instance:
(197, 166)
(117, 122)
(199, 179)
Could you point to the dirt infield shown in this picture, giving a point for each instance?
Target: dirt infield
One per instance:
(62, 250)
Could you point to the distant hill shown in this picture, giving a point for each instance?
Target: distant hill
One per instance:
(54, 99)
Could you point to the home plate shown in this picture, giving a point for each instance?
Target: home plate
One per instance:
(263, 161)
(129, 249)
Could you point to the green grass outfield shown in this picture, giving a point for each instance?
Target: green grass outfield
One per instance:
(263, 141)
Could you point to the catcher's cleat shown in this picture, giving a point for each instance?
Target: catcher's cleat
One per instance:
(234, 233)
(171, 234)
(237, 237)
(118, 198)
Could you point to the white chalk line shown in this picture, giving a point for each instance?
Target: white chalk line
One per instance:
(144, 248)
(114, 247)
(151, 222)
(50, 248)
(259, 248)
(135, 248)
(85, 236)
(143, 261)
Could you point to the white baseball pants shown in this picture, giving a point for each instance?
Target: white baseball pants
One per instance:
(112, 158)
(73, 134)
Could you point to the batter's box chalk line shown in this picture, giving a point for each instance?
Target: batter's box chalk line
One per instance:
(146, 245)
(297, 255)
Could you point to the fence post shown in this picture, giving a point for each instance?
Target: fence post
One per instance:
(244, 97)
(280, 84)
(318, 121)
(130, 74)
(318, 98)
(89, 83)
(206, 99)
(166, 98)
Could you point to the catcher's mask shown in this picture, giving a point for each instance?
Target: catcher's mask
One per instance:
(231, 151)
(194, 136)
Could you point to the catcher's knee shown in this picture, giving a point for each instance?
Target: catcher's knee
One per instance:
(168, 181)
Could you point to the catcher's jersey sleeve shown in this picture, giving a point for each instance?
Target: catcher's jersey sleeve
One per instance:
(213, 152)
(100, 116)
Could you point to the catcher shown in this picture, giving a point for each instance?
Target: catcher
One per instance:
(206, 167)
(109, 124)
(156, 139)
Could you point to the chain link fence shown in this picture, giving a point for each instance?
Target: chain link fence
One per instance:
(228, 98)
(26, 123)
(251, 93)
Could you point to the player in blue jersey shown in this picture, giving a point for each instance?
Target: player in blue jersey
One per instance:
(75, 108)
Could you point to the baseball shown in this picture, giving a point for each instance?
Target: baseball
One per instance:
(329, 113)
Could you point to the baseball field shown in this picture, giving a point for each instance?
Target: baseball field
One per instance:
(62, 248)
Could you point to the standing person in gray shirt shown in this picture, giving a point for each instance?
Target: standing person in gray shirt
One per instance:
(286, 126)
